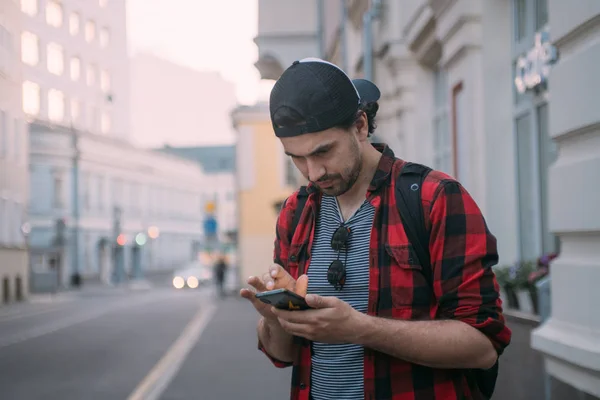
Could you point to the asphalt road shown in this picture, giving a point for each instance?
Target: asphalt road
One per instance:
(90, 346)
(109, 343)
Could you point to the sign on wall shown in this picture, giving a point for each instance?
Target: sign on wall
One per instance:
(533, 68)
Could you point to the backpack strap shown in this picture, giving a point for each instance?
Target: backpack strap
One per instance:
(301, 202)
(410, 208)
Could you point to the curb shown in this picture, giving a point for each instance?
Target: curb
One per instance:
(522, 317)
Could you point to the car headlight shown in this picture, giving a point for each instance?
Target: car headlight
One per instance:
(178, 282)
(192, 282)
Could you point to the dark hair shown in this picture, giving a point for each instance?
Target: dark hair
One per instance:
(286, 116)
(368, 108)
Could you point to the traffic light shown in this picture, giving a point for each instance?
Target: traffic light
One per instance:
(121, 240)
(140, 239)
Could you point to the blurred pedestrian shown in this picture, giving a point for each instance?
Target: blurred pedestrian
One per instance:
(220, 272)
(394, 258)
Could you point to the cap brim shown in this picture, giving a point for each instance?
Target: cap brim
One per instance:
(367, 90)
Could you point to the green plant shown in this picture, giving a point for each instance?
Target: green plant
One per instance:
(515, 276)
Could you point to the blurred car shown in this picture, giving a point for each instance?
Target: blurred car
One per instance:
(192, 276)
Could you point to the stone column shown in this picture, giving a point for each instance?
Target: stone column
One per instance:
(570, 339)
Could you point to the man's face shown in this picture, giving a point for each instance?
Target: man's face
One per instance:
(331, 159)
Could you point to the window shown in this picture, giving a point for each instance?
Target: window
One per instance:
(30, 48)
(17, 141)
(58, 190)
(441, 132)
(103, 3)
(541, 14)
(56, 105)
(90, 31)
(3, 217)
(74, 24)
(91, 75)
(29, 7)
(105, 123)
(75, 110)
(55, 58)
(31, 98)
(520, 18)
(54, 14)
(93, 119)
(105, 81)
(527, 188)
(3, 134)
(75, 68)
(104, 37)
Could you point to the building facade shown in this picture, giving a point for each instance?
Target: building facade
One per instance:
(107, 210)
(75, 64)
(499, 94)
(263, 183)
(14, 170)
(219, 166)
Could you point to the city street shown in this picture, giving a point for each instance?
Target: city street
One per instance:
(150, 343)
(126, 344)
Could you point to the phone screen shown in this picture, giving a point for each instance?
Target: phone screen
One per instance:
(283, 299)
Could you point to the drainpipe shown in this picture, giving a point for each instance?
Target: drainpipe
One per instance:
(320, 28)
(368, 17)
(75, 198)
(343, 38)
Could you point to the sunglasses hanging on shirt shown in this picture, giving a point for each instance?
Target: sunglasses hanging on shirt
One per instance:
(336, 273)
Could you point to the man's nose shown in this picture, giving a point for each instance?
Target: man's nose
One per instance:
(315, 170)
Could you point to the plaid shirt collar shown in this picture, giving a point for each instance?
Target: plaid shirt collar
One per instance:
(382, 174)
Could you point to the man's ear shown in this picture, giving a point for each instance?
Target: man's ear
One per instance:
(362, 127)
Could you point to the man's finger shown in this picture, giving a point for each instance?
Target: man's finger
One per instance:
(268, 281)
(278, 272)
(316, 301)
(257, 283)
(301, 285)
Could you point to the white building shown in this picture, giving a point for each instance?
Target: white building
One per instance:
(219, 187)
(100, 207)
(86, 188)
(14, 171)
(466, 89)
(75, 64)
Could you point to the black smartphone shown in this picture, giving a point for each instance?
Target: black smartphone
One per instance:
(283, 299)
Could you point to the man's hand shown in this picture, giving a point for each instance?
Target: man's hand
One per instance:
(276, 278)
(332, 320)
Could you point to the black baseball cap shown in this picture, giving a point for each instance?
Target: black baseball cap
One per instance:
(321, 93)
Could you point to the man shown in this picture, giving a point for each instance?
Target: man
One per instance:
(382, 332)
(220, 270)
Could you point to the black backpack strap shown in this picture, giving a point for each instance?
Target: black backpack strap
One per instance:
(301, 202)
(410, 208)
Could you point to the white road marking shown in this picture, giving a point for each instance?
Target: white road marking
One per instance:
(155, 383)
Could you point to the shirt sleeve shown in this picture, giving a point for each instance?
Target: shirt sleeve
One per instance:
(280, 255)
(463, 252)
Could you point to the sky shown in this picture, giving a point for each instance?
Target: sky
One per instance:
(214, 35)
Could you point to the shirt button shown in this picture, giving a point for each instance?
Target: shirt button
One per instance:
(293, 257)
(302, 385)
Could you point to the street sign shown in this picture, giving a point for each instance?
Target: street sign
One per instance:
(533, 68)
(210, 226)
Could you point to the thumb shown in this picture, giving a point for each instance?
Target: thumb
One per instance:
(316, 301)
(301, 285)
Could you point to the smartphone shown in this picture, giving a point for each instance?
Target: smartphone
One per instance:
(283, 299)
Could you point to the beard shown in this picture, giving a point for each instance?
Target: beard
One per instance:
(342, 182)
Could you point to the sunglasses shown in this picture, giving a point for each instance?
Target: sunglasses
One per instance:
(336, 273)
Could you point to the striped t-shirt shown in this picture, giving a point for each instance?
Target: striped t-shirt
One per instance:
(337, 369)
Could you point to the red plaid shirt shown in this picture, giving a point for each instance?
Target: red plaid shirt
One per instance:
(462, 253)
